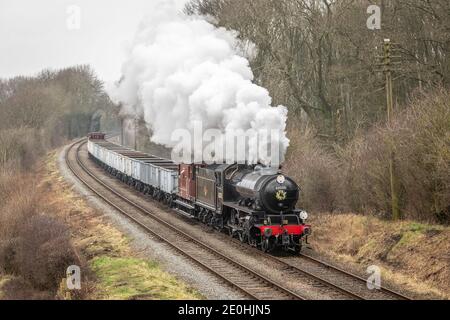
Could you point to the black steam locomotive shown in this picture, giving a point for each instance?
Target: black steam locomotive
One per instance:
(251, 202)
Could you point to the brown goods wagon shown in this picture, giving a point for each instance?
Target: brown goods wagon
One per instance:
(96, 136)
(186, 181)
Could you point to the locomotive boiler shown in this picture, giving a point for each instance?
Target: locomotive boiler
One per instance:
(266, 189)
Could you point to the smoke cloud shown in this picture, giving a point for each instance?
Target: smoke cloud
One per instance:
(183, 70)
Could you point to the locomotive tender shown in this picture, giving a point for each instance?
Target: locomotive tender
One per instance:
(253, 203)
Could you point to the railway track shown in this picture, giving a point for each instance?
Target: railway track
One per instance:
(323, 274)
(337, 283)
(250, 282)
(358, 282)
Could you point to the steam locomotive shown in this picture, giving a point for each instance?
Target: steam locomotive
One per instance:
(253, 203)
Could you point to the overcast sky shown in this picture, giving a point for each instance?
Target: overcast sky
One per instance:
(43, 34)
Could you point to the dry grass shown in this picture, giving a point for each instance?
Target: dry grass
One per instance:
(411, 254)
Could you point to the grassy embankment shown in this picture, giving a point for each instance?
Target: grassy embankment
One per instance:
(110, 267)
(411, 254)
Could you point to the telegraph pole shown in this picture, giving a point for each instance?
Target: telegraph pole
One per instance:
(396, 214)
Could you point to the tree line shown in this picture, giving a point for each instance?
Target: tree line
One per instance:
(41, 112)
(319, 58)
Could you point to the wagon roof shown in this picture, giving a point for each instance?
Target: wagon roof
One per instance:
(139, 156)
(131, 154)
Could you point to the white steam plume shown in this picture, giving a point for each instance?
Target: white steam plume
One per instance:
(182, 70)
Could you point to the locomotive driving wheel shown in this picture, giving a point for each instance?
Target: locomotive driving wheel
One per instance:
(243, 237)
(265, 245)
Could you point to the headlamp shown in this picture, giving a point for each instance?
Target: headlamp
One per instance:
(303, 215)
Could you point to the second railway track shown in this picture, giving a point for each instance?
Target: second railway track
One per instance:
(324, 274)
(252, 283)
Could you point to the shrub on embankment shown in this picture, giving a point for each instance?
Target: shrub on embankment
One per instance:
(355, 177)
(35, 245)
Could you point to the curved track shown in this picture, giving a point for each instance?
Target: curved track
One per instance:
(338, 283)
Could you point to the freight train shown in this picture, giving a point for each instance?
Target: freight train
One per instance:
(253, 203)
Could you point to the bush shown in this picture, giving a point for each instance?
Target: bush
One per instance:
(364, 174)
(314, 169)
(34, 244)
(44, 251)
(422, 155)
(16, 288)
(20, 148)
(356, 177)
